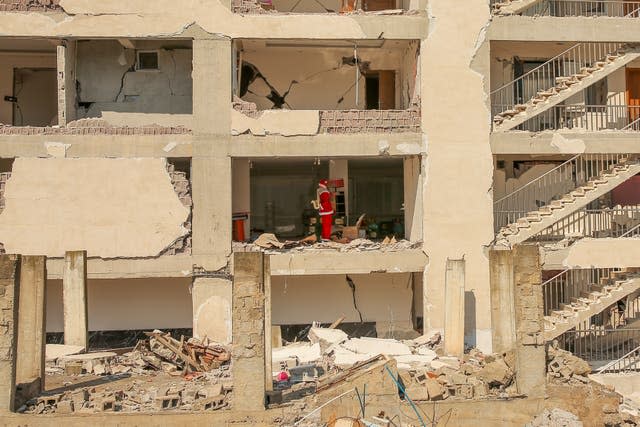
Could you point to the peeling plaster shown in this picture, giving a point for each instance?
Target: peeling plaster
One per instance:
(567, 145)
(282, 122)
(410, 148)
(56, 149)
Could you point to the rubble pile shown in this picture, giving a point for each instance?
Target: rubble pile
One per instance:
(426, 373)
(160, 373)
(564, 367)
(269, 243)
(555, 417)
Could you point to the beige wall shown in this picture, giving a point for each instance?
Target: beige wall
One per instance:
(125, 304)
(383, 298)
(108, 81)
(10, 61)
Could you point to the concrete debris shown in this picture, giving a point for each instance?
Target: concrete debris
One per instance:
(270, 244)
(562, 366)
(555, 418)
(55, 351)
(326, 337)
(205, 392)
(375, 346)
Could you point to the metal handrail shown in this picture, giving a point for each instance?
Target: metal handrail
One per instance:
(569, 284)
(552, 185)
(615, 362)
(566, 8)
(571, 62)
(585, 117)
(635, 230)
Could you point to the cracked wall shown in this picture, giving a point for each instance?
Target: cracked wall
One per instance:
(103, 206)
(111, 87)
(314, 78)
(458, 211)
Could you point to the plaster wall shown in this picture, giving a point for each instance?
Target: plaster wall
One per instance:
(103, 206)
(127, 304)
(458, 211)
(109, 81)
(386, 299)
(601, 253)
(317, 79)
(7, 64)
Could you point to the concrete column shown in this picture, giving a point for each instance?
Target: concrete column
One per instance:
(31, 318)
(502, 300)
(454, 307)
(67, 82)
(529, 303)
(9, 302)
(211, 186)
(241, 189)
(412, 198)
(212, 86)
(74, 298)
(212, 308)
(249, 345)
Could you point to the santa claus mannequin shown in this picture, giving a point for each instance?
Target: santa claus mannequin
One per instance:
(325, 209)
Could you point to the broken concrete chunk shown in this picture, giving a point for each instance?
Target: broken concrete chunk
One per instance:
(268, 241)
(326, 337)
(55, 351)
(434, 389)
(304, 352)
(496, 373)
(375, 346)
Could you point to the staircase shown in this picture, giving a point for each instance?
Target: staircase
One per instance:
(558, 193)
(556, 80)
(583, 300)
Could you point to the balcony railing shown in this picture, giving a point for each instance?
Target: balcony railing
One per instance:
(610, 350)
(568, 8)
(588, 118)
(597, 223)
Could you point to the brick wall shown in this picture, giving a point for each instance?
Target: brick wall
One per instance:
(247, 7)
(249, 109)
(29, 5)
(92, 130)
(8, 332)
(182, 187)
(369, 121)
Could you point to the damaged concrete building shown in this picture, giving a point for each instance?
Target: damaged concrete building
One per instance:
(146, 146)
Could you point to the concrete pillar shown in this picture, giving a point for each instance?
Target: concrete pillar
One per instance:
(412, 198)
(502, 300)
(212, 308)
(31, 318)
(9, 302)
(241, 189)
(212, 86)
(529, 304)
(249, 346)
(66, 82)
(454, 307)
(74, 299)
(211, 186)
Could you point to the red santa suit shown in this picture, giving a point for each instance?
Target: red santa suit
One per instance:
(326, 209)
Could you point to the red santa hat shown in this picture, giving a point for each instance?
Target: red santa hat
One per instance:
(323, 183)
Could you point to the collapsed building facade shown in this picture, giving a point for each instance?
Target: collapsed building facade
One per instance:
(161, 139)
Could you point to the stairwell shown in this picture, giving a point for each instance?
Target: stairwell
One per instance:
(556, 80)
(589, 302)
(534, 207)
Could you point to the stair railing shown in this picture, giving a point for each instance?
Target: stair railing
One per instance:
(552, 185)
(569, 284)
(544, 77)
(628, 362)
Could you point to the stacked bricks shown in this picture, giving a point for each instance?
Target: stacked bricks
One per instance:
(90, 130)
(246, 7)
(182, 187)
(29, 5)
(9, 291)
(248, 318)
(529, 315)
(4, 177)
(369, 121)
